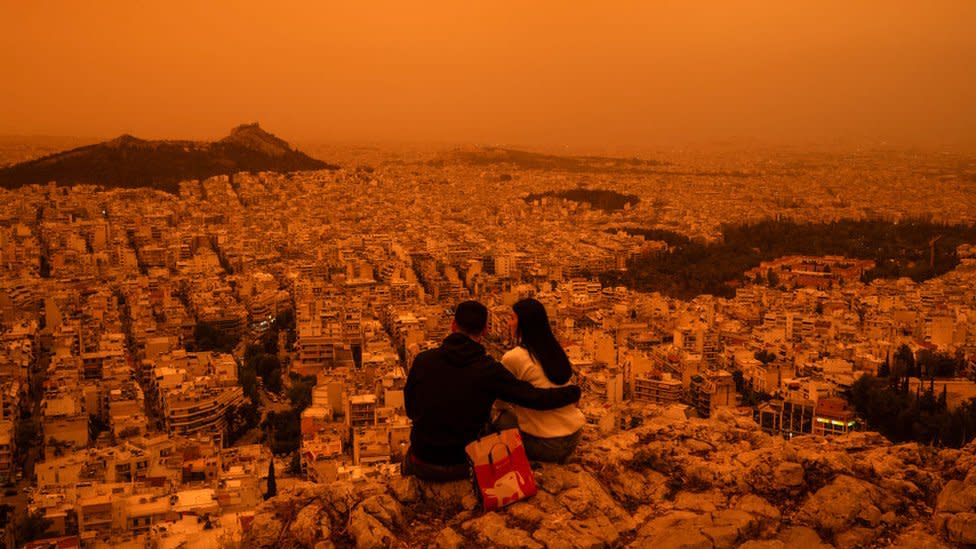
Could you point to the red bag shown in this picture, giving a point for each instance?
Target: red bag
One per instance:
(501, 469)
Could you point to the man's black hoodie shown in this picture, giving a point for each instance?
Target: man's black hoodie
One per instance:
(449, 394)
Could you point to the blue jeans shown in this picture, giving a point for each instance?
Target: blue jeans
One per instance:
(551, 449)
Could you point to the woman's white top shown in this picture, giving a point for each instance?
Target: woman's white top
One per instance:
(544, 424)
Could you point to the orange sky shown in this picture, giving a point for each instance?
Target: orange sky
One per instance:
(547, 73)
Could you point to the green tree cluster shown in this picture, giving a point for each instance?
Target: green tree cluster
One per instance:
(689, 268)
(33, 526)
(258, 363)
(241, 419)
(300, 391)
(597, 198)
(208, 337)
(892, 409)
(284, 430)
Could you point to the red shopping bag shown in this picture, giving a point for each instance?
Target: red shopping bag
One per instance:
(501, 469)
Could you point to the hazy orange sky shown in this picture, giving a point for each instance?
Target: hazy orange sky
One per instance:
(547, 73)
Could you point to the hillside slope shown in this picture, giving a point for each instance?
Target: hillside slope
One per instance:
(671, 483)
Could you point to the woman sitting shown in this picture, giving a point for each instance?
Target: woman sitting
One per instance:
(539, 359)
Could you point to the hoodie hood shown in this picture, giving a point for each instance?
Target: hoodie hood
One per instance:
(462, 350)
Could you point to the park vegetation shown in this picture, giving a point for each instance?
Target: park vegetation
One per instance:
(688, 268)
(889, 405)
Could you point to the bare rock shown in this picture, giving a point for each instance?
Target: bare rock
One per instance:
(917, 538)
(961, 528)
(801, 536)
(368, 531)
(526, 512)
(854, 538)
(836, 507)
(601, 501)
(265, 530)
(372, 521)
(676, 530)
(405, 489)
(490, 529)
(763, 544)
(554, 479)
(447, 538)
(309, 526)
(572, 535)
(767, 515)
(788, 475)
(956, 497)
(704, 502)
(458, 494)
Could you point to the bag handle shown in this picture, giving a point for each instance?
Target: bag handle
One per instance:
(491, 454)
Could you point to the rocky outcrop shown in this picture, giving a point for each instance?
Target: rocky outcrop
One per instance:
(671, 483)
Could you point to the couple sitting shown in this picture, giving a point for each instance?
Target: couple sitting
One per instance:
(451, 390)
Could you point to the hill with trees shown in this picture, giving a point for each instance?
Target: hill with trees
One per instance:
(128, 162)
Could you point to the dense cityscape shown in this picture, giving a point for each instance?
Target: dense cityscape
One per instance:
(170, 360)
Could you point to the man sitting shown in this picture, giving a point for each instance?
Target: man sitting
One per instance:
(449, 395)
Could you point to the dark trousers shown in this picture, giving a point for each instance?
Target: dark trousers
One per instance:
(551, 449)
(413, 466)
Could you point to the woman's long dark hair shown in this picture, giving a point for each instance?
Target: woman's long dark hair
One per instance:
(536, 336)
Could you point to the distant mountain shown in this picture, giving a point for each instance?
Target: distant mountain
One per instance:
(132, 162)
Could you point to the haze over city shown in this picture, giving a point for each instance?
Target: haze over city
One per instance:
(613, 75)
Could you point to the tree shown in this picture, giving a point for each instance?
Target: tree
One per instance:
(284, 430)
(295, 465)
(906, 359)
(300, 392)
(272, 485)
(209, 337)
(32, 527)
(6, 511)
(27, 431)
(884, 370)
(739, 380)
(772, 279)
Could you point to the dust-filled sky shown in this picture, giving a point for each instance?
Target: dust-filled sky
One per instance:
(528, 72)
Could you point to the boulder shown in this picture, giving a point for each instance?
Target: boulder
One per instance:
(367, 531)
(265, 530)
(801, 536)
(917, 538)
(676, 530)
(310, 524)
(490, 529)
(836, 507)
(766, 514)
(961, 528)
(956, 497)
(447, 538)
(855, 538)
(788, 475)
(704, 502)
(372, 522)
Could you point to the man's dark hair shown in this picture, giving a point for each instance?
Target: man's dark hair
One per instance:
(471, 317)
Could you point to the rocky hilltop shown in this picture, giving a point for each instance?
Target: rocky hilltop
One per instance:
(671, 483)
(128, 161)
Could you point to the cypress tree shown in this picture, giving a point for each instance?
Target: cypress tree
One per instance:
(272, 485)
